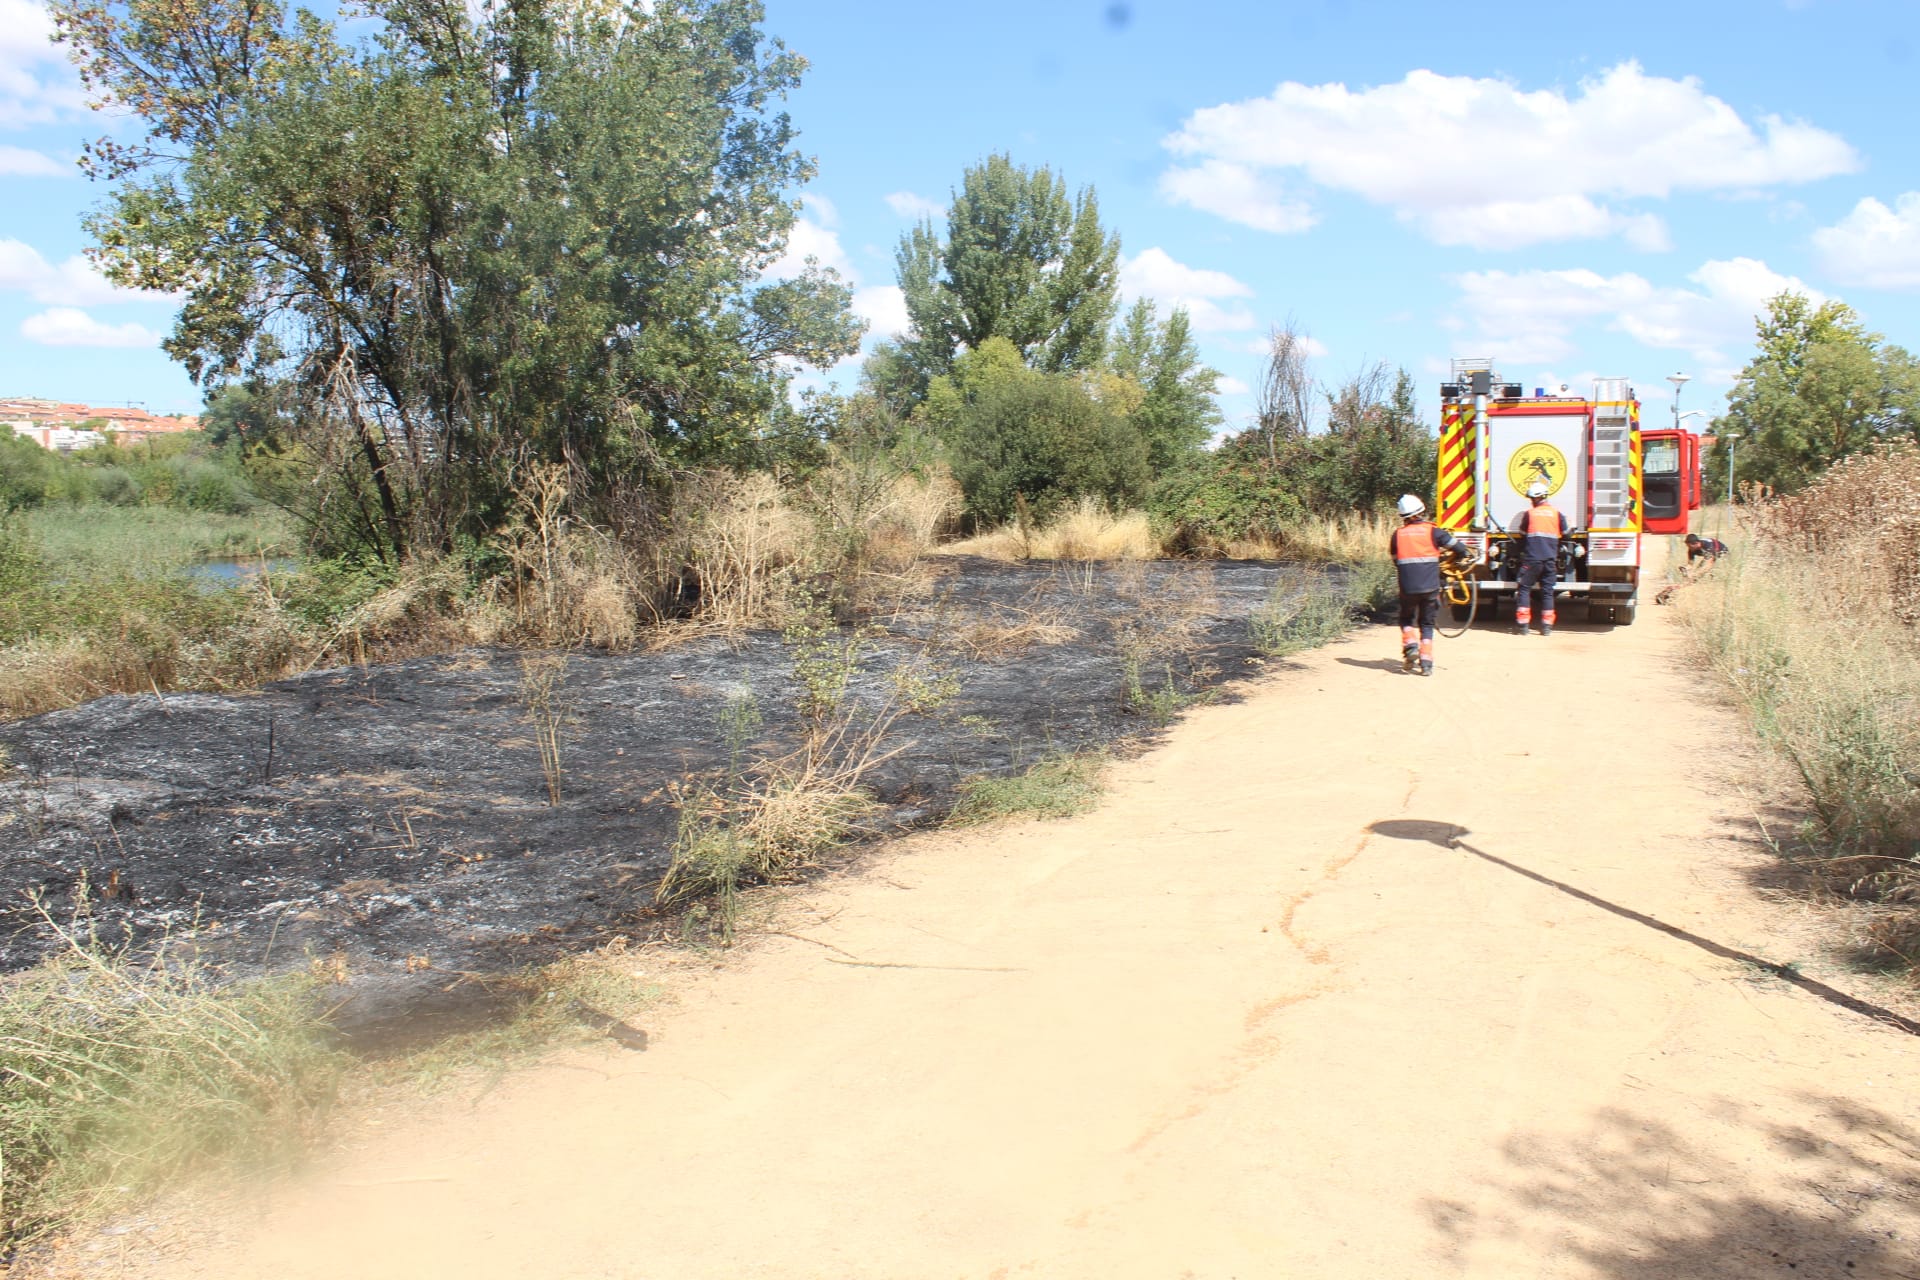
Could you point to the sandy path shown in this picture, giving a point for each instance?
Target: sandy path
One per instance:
(1228, 1025)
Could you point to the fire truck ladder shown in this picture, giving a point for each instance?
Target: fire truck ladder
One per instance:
(1611, 508)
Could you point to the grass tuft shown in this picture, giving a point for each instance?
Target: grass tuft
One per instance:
(121, 1075)
(1306, 612)
(1059, 786)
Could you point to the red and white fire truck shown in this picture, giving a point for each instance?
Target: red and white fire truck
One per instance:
(1611, 481)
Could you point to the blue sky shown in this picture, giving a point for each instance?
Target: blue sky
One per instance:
(1572, 190)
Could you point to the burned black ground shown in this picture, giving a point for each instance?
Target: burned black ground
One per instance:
(393, 822)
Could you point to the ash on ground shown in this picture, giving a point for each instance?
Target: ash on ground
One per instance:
(394, 822)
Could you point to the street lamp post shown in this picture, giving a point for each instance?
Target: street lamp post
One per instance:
(1678, 380)
(1731, 441)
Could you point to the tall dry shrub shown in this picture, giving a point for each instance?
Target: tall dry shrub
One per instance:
(1863, 515)
(1816, 625)
(570, 583)
(742, 540)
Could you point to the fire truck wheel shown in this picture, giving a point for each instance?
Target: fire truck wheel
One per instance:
(1623, 615)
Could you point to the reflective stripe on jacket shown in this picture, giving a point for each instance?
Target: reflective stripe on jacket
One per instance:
(1541, 528)
(1416, 554)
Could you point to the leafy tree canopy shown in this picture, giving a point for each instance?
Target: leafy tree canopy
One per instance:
(479, 237)
(1177, 414)
(1020, 261)
(1819, 388)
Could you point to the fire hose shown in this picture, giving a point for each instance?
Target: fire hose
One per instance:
(1461, 593)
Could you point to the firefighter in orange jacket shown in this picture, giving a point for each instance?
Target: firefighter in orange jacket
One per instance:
(1539, 529)
(1416, 546)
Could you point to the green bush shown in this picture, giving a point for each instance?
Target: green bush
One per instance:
(23, 576)
(114, 486)
(26, 472)
(1225, 497)
(1249, 490)
(1043, 439)
(323, 591)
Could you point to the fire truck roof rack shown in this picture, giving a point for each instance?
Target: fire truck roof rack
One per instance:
(1484, 365)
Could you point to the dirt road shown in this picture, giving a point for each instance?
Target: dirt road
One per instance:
(1354, 978)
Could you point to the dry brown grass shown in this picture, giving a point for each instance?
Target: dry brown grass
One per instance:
(736, 552)
(1087, 531)
(1084, 531)
(1864, 513)
(1007, 630)
(44, 675)
(1351, 539)
(1810, 623)
(1346, 540)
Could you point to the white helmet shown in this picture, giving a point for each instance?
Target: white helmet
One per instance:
(1410, 506)
(1537, 490)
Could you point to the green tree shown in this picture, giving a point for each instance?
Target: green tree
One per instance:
(1177, 414)
(1014, 434)
(1020, 261)
(1820, 387)
(27, 472)
(475, 239)
(1375, 447)
(241, 415)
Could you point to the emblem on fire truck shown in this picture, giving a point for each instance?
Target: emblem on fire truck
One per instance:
(1537, 461)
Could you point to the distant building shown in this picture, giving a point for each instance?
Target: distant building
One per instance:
(54, 425)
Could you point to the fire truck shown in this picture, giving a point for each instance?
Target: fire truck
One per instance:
(1612, 482)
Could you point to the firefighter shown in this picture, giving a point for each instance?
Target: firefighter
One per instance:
(1704, 549)
(1416, 546)
(1539, 529)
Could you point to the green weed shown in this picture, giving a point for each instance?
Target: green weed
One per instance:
(1307, 612)
(1056, 787)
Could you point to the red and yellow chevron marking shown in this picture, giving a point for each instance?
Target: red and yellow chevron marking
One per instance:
(1453, 503)
(1633, 477)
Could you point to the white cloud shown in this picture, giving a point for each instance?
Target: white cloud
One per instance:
(1308, 343)
(1229, 386)
(907, 204)
(1511, 224)
(884, 308)
(822, 208)
(36, 82)
(1531, 317)
(1154, 274)
(810, 239)
(72, 327)
(74, 283)
(1480, 161)
(1874, 245)
(1238, 194)
(19, 162)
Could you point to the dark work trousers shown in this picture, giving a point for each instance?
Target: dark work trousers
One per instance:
(1538, 578)
(1418, 612)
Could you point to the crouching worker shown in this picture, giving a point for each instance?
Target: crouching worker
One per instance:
(1702, 552)
(1416, 546)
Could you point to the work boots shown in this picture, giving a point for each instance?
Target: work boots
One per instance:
(1409, 657)
(1426, 668)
